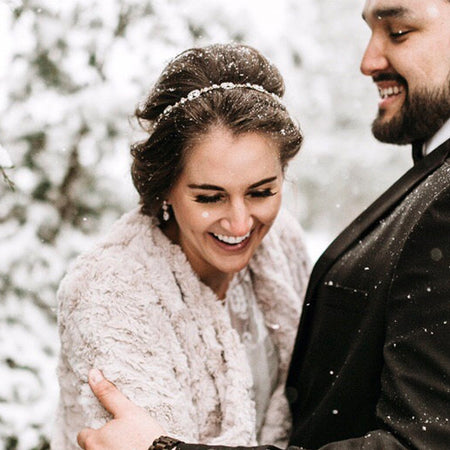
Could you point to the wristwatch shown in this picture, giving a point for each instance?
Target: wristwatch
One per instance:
(164, 443)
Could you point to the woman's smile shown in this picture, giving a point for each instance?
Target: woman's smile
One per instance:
(231, 243)
(223, 210)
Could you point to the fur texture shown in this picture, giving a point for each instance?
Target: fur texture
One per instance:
(134, 308)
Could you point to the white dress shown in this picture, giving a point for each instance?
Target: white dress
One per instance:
(248, 320)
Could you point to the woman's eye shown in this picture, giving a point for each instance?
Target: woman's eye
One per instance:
(208, 198)
(263, 193)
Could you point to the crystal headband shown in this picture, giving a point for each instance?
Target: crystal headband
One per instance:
(225, 85)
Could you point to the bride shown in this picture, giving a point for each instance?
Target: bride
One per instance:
(190, 304)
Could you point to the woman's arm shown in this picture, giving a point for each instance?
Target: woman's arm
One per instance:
(128, 336)
(132, 428)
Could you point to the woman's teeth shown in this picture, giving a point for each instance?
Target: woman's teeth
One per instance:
(231, 239)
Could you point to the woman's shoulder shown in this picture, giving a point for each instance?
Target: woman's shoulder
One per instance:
(118, 262)
(124, 243)
(131, 227)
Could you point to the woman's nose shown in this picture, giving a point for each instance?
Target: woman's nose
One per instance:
(237, 221)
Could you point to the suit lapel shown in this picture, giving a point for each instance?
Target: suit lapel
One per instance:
(377, 210)
(351, 234)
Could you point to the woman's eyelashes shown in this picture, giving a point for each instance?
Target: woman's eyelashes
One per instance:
(209, 198)
(262, 193)
(219, 197)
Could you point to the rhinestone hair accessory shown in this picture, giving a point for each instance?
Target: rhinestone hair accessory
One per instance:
(225, 86)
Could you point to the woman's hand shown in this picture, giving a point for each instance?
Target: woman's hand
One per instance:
(132, 427)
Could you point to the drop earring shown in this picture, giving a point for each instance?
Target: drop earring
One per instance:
(165, 208)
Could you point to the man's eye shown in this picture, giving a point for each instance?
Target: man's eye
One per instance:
(208, 198)
(396, 35)
(263, 193)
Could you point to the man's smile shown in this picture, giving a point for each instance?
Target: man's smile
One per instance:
(389, 91)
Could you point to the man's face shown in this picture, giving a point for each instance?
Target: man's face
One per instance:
(408, 57)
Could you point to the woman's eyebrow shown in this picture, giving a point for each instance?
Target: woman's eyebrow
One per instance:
(264, 181)
(212, 187)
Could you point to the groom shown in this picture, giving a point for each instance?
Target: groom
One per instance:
(371, 366)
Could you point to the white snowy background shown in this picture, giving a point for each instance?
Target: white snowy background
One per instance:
(71, 74)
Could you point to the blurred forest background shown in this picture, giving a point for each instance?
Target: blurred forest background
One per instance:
(71, 74)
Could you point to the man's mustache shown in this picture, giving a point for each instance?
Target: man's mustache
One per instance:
(389, 77)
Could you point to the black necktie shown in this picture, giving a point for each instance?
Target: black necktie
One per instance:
(417, 151)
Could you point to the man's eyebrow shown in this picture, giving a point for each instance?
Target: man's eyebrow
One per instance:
(384, 13)
(212, 187)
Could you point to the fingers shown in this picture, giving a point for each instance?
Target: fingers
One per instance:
(108, 395)
(83, 436)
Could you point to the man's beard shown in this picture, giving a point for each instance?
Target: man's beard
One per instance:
(420, 117)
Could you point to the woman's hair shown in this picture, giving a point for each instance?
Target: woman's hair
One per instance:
(158, 160)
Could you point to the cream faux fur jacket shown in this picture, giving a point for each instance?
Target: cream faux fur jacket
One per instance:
(134, 308)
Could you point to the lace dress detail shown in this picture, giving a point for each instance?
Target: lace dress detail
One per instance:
(248, 320)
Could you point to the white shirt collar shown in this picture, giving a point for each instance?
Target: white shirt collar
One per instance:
(439, 138)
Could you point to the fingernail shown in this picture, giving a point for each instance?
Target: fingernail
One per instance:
(95, 376)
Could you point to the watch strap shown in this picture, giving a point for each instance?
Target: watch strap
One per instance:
(164, 443)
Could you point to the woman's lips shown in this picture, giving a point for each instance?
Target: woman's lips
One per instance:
(231, 243)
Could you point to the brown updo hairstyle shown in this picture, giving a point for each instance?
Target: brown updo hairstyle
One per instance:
(158, 160)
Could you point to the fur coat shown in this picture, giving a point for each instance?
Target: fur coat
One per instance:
(134, 308)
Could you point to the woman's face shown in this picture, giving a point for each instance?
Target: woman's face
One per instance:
(226, 199)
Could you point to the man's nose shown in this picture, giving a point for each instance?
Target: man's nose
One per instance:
(374, 59)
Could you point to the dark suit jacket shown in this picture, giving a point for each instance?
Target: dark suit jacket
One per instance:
(372, 356)
(371, 365)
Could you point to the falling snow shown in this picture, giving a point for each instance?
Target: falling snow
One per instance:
(71, 74)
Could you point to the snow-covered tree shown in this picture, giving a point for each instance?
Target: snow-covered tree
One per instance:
(71, 74)
(5, 163)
